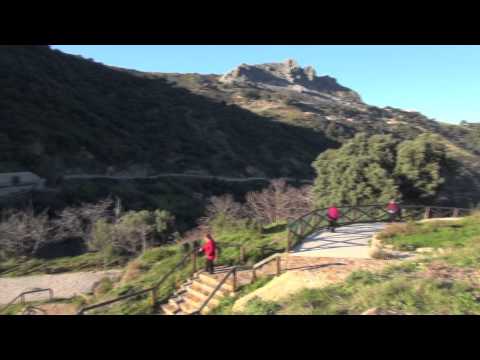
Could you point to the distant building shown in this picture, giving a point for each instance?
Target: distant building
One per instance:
(19, 181)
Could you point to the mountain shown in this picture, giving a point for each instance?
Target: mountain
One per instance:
(63, 114)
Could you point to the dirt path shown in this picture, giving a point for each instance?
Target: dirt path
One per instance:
(64, 286)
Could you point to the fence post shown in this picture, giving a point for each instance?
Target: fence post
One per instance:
(194, 259)
(242, 254)
(289, 240)
(279, 269)
(234, 279)
(455, 212)
(428, 212)
(254, 275)
(154, 298)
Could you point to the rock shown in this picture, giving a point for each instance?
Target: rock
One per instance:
(425, 250)
(378, 311)
(289, 75)
(372, 311)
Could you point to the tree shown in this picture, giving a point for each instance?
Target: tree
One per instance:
(223, 205)
(22, 233)
(279, 202)
(421, 166)
(164, 222)
(360, 172)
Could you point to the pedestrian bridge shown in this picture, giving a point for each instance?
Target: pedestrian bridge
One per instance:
(309, 235)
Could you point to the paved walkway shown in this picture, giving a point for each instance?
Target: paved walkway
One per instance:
(64, 286)
(346, 242)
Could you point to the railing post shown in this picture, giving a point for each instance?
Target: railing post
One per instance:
(428, 213)
(455, 212)
(242, 254)
(234, 279)
(194, 259)
(289, 241)
(154, 298)
(279, 269)
(254, 275)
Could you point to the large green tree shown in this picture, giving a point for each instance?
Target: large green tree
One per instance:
(357, 173)
(368, 170)
(421, 166)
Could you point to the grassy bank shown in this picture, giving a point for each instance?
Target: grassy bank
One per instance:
(435, 234)
(148, 269)
(85, 262)
(446, 284)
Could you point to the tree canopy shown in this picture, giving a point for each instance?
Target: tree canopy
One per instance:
(375, 169)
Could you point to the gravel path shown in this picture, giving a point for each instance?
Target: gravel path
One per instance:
(63, 285)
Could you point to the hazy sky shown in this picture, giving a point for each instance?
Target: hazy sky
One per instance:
(442, 82)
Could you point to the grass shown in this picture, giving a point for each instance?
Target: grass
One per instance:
(85, 262)
(226, 304)
(149, 268)
(258, 243)
(435, 234)
(447, 284)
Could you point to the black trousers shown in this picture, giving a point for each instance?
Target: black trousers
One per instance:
(332, 223)
(209, 266)
(393, 216)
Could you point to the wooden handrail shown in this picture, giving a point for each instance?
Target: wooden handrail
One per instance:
(153, 289)
(306, 228)
(22, 297)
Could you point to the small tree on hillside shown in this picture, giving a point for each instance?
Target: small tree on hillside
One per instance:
(278, 202)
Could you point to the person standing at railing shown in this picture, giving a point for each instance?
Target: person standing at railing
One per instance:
(333, 214)
(210, 250)
(393, 210)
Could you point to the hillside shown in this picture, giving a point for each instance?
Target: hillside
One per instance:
(62, 114)
(65, 114)
(443, 281)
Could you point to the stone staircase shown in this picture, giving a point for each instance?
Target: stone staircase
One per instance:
(193, 293)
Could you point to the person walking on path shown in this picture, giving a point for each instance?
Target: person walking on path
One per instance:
(393, 210)
(210, 250)
(333, 214)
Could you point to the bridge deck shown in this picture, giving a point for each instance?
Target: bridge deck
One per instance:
(347, 241)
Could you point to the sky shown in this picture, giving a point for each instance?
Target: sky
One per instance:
(441, 82)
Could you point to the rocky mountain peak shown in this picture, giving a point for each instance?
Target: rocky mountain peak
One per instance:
(287, 74)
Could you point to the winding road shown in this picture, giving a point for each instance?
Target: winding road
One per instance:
(178, 175)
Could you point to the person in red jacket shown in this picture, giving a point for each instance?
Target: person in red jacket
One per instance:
(210, 250)
(393, 210)
(333, 214)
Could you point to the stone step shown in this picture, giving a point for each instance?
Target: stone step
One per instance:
(208, 289)
(186, 308)
(175, 301)
(212, 281)
(169, 309)
(215, 300)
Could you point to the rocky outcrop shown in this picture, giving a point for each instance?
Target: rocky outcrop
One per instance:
(289, 75)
